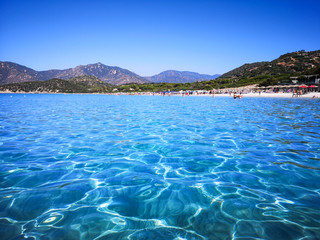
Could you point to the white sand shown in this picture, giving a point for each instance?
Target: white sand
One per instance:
(245, 95)
(274, 95)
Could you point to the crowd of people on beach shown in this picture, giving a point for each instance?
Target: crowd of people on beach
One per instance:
(236, 93)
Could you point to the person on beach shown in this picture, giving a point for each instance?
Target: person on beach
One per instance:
(235, 96)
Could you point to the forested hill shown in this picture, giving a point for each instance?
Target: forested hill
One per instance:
(83, 84)
(290, 63)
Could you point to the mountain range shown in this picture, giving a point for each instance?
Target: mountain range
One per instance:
(172, 76)
(14, 73)
(300, 62)
(291, 63)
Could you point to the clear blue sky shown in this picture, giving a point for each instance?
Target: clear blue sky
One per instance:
(148, 37)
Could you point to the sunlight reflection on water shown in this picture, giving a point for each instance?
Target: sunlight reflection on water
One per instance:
(134, 167)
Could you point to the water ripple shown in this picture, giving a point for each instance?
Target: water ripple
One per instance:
(123, 167)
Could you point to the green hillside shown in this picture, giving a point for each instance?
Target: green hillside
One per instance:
(84, 84)
(291, 63)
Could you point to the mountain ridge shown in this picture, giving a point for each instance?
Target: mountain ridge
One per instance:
(11, 72)
(14, 73)
(109, 74)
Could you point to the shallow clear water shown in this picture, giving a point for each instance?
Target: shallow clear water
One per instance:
(143, 167)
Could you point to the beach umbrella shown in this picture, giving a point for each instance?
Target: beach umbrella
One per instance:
(303, 86)
(313, 86)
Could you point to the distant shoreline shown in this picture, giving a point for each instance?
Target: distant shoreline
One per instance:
(250, 95)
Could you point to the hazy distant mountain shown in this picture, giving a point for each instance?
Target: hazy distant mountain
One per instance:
(296, 62)
(172, 76)
(15, 73)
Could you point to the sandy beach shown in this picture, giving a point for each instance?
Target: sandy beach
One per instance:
(274, 95)
(256, 95)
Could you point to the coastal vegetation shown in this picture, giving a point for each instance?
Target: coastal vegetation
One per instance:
(264, 80)
(91, 84)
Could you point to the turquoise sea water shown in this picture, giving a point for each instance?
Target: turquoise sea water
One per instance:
(144, 167)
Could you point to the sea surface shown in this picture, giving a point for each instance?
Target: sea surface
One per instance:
(153, 167)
